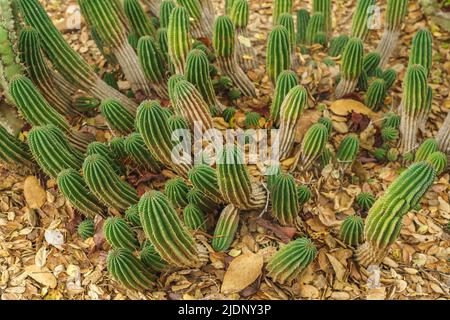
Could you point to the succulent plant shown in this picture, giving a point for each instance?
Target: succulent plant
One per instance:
(103, 150)
(163, 43)
(176, 122)
(110, 80)
(85, 104)
(352, 67)
(166, 232)
(389, 134)
(360, 21)
(376, 94)
(13, 151)
(303, 194)
(165, 9)
(179, 39)
(86, 229)
(287, 20)
(204, 179)
(171, 83)
(365, 200)
(291, 260)
(380, 154)
(337, 45)
(137, 150)
(384, 221)
(285, 204)
(352, 230)
(132, 215)
(106, 185)
(313, 145)
(393, 154)
(280, 7)
(302, 23)
(391, 120)
(443, 136)
(439, 161)
(129, 270)
(117, 146)
(194, 218)
(228, 113)
(278, 53)
(151, 60)
(272, 173)
(200, 26)
(226, 228)
(348, 150)
(224, 46)
(389, 76)
(316, 24)
(119, 234)
(176, 191)
(328, 123)
(252, 119)
(140, 22)
(199, 199)
(413, 105)
(151, 258)
(325, 7)
(421, 50)
(371, 62)
(291, 110)
(428, 147)
(286, 81)
(117, 116)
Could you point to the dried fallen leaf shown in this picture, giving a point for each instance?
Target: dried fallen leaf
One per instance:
(54, 237)
(242, 272)
(35, 195)
(42, 275)
(344, 107)
(337, 266)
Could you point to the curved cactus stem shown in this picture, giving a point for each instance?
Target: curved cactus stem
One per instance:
(443, 136)
(245, 51)
(229, 67)
(201, 26)
(14, 152)
(387, 46)
(226, 228)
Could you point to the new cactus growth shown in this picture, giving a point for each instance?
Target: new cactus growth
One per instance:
(132, 215)
(128, 270)
(86, 229)
(74, 188)
(137, 150)
(371, 62)
(348, 150)
(384, 221)
(338, 45)
(226, 228)
(391, 120)
(389, 134)
(365, 200)
(204, 179)
(165, 9)
(13, 151)
(199, 199)
(106, 185)
(103, 150)
(151, 258)
(280, 7)
(224, 45)
(166, 232)
(360, 21)
(194, 218)
(352, 230)
(117, 116)
(352, 67)
(117, 146)
(285, 204)
(286, 81)
(303, 194)
(140, 22)
(325, 7)
(422, 50)
(313, 145)
(428, 147)
(328, 123)
(389, 76)
(376, 94)
(119, 234)
(287, 20)
(179, 39)
(176, 191)
(302, 23)
(291, 260)
(439, 161)
(315, 25)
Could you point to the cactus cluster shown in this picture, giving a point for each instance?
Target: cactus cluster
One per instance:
(352, 67)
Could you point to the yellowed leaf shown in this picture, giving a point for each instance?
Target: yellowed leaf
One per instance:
(35, 195)
(42, 275)
(344, 107)
(337, 266)
(242, 272)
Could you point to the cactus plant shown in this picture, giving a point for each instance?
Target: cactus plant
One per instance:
(443, 136)
(422, 50)
(193, 217)
(179, 40)
(439, 161)
(313, 145)
(348, 150)
(165, 9)
(371, 62)
(389, 134)
(74, 188)
(151, 258)
(199, 199)
(391, 120)
(201, 26)
(135, 148)
(228, 113)
(395, 14)
(103, 150)
(117, 116)
(176, 190)
(285, 82)
(291, 110)
(252, 120)
(428, 147)
(226, 228)
(224, 45)
(303, 194)
(280, 7)
(204, 178)
(352, 67)
(315, 25)
(291, 260)
(166, 232)
(376, 94)
(326, 8)
(384, 221)
(141, 25)
(132, 215)
(117, 146)
(328, 123)
(151, 60)
(128, 270)
(365, 200)
(86, 229)
(119, 234)
(285, 205)
(389, 76)
(302, 23)
(85, 104)
(287, 20)
(337, 45)
(360, 21)
(106, 185)
(13, 151)
(352, 230)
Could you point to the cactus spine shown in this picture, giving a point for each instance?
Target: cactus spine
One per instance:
(302, 24)
(179, 40)
(224, 46)
(103, 150)
(360, 21)
(313, 145)
(204, 179)
(325, 7)
(135, 147)
(151, 259)
(291, 260)
(141, 24)
(285, 205)
(280, 7)
(119, 234)
(226, 228)
(285, 82)
(352, 67)
(13, 151)
(106, 185)
(164, 229)
(352, 230)
(132, 216)
(193, 218)
(117, 116)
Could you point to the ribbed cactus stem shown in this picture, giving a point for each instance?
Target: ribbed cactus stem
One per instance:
(86, 229)
(286, 81)
(426, 149)
(315, 25)
(140, 22)
(313, 145)
(371, 62)
(352, 67)
(413, 104)
(224, 44)
(348, 150)
(326, 8)
(119, 234)
(68, 62)
(151, 60)
(338, 45)
(302, 24)
(384, 221)
(198, 198)
(439, 161)
(106, 185)
(226, 228)
(291, 110)
(376, 95)
(395, 14)
(287, 20)
(137, 150)
(194, 218)
(423, 117)
(154, 6)
(443, 136)
(351, 231)
(151, 258)
(278, 53)
(285, 205)
(102, 149)
(13, 151)
(179, 39)
(360, 21)
(165, 9)
(201, 26)
(166, 232)
(280, 7)
(204, 178)
(117, 116)
(422, 50)
(176, 191)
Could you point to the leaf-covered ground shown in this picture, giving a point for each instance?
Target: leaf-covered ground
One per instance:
(42, 257)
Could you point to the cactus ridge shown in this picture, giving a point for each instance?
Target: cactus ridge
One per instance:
(390, 75)
(240, 13)
(338, 45)
(119, 234)
(204, 178)
(117, 116)
(226, 228)
(106, 185)
(194, 218)
(166, 232)
(325, 7)
(291, 260)
(422, 50)
(286, 81)
(139, 21)
(285, 205)
(103, 150)
(278, 52)
(352, 230)
(287, 20)
(132, 216)
(316, 24)
(361, 19)
(151, 258)
(439, 161)
(313, 144)
(376, 94)
(176, 122)
(13, 151)
(391, 120)
(303, 194)
(365, 200)
(352, 59)
(117, 146)
(179, 41)
(176, 191)
(86, 229)
(163, 42)
(302, 23)
(395, 13)
(135, 147)
(165, 9)
(199, 199)
(371, 62)
(280, 7)
(328, 123)
(348, 150)
(428, 147)
(128, 270)
(74, 188)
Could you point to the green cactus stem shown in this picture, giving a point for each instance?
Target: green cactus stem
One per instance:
(165, 9)
(376, 94)
(280, 7)
(117, 116)
(337, 45)
(287, 20)
(194, 218)
(278, 56)
(226, 228)
(179, 39)
(422, 50)
(106, 185)
(199, 199)
(228, 114)
(119, 234)
(348, 150)
(389, 134)
(285, 205)
(166, 232)
(315, 25)
(313, 145)
(352, 230)
(428, 147)
(140, 22)
(102, 149)
(176, 191)
(86, 229)
(370, 63)
(285, 82)
(201, 25)
(287, 264)
(85, 104)
(204, 179)
(163, 43)
(117, 146)
(389, 76)
(137, 150)
(360, 21)
(132, 216)
(302, 24)
(365, 200)
(325, 7)
(352, 67)
(151, 258)
(439, 161)
(14, 152)
(224, 45)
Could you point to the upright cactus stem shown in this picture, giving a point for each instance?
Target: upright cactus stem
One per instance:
(313, 145)
(14, 152)
(224, 46)
(413, 105)
(439, 161)
(194, 218)
(348, 150)
(137, 150)
(201, 25)
(165, 9)
(204, 179)
(291, 110)
(151, 60)
(140, 22)
(338, 45)
(69, 63)
(360, 21)
(422, 50)
(315, 26)
(395, 14)
(119, 234)
(179, 39)
(352, 230)
(102, 149)
(278, 57)
(285, 204)
(443, 136)
(428, 147)
(117, 116)
(245, 52)
(352, 67)
(326, 8)
(302, 24)
(176, 191)
(280, 7)
(384, 221)
(376, 94)
(106, 185)
(166, 232)
(286, 20)
(286, 81)
(226, 228)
